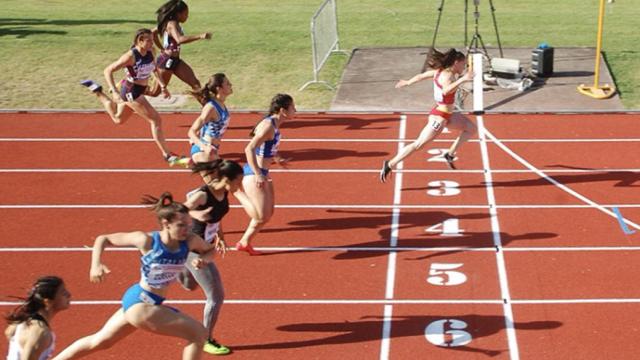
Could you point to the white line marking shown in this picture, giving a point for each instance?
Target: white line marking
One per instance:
(342, 171)
(353, 248)
(617, 140)
(558, 184)
(367, 302)
(327, 206)
(497, 241)
(393, 242)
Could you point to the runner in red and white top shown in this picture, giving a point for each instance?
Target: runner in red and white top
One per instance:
(448, 73)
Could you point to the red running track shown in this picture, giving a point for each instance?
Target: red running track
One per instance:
(350, 273)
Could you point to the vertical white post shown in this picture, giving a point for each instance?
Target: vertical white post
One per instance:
(478, 105)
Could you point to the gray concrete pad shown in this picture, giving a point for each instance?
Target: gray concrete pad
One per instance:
(368, 81)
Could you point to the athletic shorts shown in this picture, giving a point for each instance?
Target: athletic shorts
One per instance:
(438, 112)
(167, 62)
(196, 149)
(248, 171)
(136, 294)
(130, 91)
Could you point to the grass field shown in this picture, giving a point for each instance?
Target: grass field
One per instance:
(264, 45)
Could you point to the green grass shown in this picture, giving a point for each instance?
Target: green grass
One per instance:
(264, 45)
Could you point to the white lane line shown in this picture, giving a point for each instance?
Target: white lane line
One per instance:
(497, 242)
(342, 171)
(557, 183)
(393, 242)
(603, 301)
(355, 248)
(93, 139)
(326, 206)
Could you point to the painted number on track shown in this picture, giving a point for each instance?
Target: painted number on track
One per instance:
(449, 227)
(447, 333)
(443, 188)
(437, 155)
(442, 274)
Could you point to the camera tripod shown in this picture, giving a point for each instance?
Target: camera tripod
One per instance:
(476, 40)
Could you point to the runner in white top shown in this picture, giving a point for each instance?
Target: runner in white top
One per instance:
(29, 331)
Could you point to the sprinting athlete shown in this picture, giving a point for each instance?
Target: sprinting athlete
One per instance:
(262, 150)
(208, 205)
(206, 131)
(448, 74)
(29, 331)
(164, 254)
(170, 15)
(139, 65)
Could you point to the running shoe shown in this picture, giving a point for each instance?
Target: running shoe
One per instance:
(248, 248)
(92, 85)
(212, 347)
(176, 160)
(449, 159)
(385, 171)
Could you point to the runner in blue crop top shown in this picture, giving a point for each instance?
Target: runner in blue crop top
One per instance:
(163, 256)
(261, 152)
(207, 130)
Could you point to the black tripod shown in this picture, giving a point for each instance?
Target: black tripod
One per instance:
(476, 40)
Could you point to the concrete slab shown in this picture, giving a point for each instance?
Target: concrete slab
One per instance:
(368, 81)
(175, 101)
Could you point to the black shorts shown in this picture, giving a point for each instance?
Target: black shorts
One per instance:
(130, 91)
(167, 62)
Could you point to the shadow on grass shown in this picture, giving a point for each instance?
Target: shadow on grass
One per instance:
(24, 27)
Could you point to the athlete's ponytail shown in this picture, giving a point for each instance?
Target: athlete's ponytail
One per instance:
(169, 11)
(219, 168)
(210, 89)
(45, 287)
(439, 61)
(164, 207)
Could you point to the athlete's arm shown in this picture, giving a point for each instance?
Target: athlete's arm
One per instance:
(172, 29)
(125, 60)
(419, 77)
(136, 239)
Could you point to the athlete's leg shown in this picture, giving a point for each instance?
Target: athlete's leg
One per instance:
(465, 126)
(117, 110)
(114, 330)
(185, 73)
(208, 277)
(261, 200)
(155, 89)
(429, 132)
(142, 107)
(166, 321)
